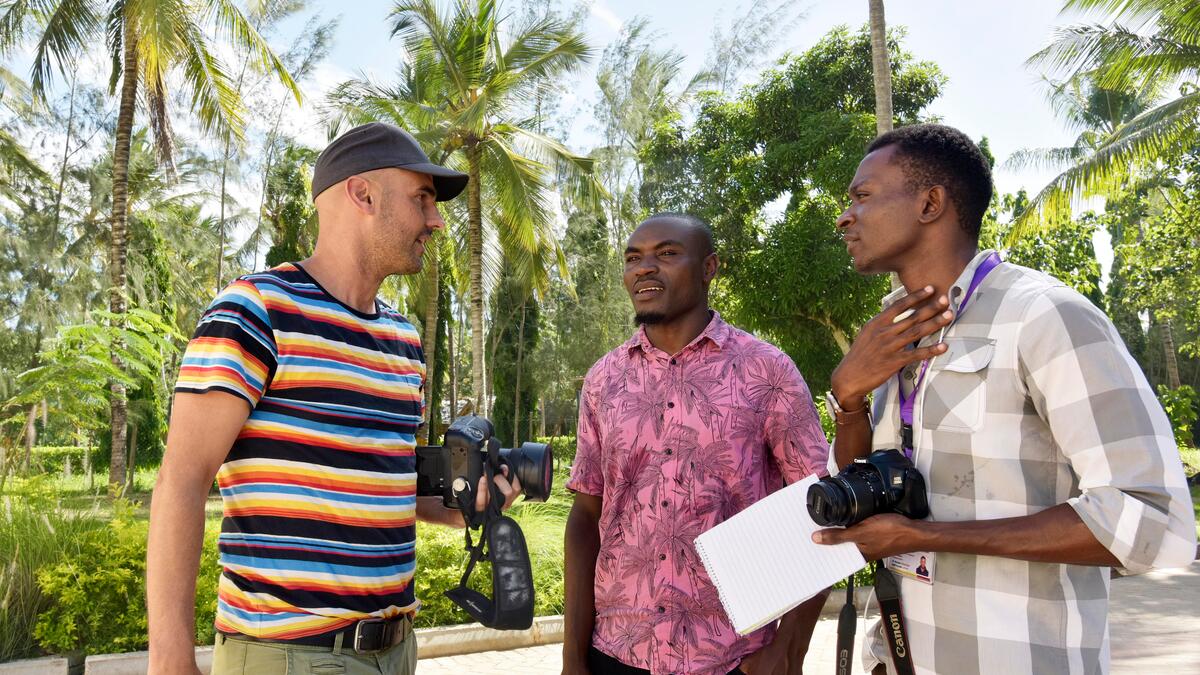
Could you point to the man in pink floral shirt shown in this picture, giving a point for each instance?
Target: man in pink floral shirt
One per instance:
(687, 423)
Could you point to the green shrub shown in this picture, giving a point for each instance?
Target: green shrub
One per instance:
(34, 534)
(1181, 406)
(97, 597)
(564, 449)
(441, 559)
(53, 458)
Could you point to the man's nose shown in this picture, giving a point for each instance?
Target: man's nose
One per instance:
(645, 266)
(845, 219)
(433, 218)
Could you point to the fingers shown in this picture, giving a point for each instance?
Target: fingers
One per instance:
(828, 537)
(509, 490)
(927, 326)
(482, 495)
(896, 312)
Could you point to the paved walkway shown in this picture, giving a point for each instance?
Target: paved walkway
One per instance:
(1154, 625)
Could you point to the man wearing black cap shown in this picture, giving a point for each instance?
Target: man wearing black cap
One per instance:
(301, 394)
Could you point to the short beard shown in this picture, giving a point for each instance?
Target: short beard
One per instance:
(649, 318)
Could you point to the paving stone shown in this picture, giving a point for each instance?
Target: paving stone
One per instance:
(1153, 622)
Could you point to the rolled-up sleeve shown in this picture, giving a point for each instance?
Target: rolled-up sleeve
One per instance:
(1105, 419)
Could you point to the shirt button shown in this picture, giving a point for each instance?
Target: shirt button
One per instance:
(670, 404)
(668, 451)
(665, 503)
(662, 610)
(672, 361)
(662, 556)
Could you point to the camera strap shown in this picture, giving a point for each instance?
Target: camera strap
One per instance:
(502, 543)
(847, 624)
(887, 590)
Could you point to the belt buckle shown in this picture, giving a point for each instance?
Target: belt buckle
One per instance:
(359, 637)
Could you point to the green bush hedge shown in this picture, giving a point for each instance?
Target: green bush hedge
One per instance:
(53, 458)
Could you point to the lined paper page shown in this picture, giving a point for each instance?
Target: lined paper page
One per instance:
(763, 560)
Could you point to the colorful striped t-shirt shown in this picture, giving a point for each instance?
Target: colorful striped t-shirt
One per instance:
(319, 489)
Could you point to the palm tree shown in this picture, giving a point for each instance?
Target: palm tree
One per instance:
(147, 40)
(881, 67)
(461, 93)
(1148, 44)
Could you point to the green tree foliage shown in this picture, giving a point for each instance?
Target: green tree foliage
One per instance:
(1065, 252)
(288, 207)
(516, 319)
(795, 137)
(1142, 47)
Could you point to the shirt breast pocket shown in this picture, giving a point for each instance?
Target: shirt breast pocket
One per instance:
(956, 398)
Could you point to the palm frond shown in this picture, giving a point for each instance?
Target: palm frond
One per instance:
(214, 98)
(243, 34)
(69, 28)
(1154, 135)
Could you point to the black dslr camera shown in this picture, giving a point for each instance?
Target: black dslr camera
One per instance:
(452, 471)
(883, 481)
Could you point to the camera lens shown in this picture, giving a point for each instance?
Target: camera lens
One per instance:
(533, 464)
(848, 498)
(828, 503)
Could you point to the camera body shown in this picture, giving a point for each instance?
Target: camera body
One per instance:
(883, 481)
(454, 468)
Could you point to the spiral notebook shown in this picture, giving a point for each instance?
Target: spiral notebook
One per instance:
(763, 560)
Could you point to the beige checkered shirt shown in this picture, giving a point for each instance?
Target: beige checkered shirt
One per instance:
(1036, 403)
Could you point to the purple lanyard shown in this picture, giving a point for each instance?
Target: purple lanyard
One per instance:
(907, 402)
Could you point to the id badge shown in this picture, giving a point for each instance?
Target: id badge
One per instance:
(917, 565)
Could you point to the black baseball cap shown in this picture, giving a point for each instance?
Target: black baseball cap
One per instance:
(381, 146)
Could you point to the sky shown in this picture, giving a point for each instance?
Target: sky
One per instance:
(980, 46)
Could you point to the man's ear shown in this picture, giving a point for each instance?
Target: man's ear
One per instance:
(711, 264)
(934, 202)
(361, 193)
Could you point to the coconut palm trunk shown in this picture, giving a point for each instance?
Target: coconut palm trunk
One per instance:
(475, 253)
(881, 65)
(119, 248)
(429, 337)
(517, 388)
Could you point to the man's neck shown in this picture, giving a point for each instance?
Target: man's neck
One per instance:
(672, 336)
(344, 279)
(939, 269)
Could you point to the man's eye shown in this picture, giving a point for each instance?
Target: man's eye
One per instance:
(666, 253)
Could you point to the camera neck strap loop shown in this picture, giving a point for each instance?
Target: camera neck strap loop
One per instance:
(502, 543)
(888, 593)
(887, 590)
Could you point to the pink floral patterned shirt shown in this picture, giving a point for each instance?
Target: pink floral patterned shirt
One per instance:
(674, 445)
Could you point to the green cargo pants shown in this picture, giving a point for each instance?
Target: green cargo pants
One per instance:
(243, 657)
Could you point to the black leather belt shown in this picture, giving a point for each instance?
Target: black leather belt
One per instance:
(364, 637)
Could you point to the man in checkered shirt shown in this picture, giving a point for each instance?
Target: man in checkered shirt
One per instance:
(1047, 456)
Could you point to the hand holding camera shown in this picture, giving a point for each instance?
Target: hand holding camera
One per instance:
(879, 499)
(882, 347)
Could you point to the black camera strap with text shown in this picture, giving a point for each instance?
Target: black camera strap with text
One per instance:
(501, 543)
(888, 592)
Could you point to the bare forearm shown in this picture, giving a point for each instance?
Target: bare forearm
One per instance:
(851, 442)
(172, 563)
(1055, 535)
(796, 627)
(579, 615)
(853, 433)
(432, 510)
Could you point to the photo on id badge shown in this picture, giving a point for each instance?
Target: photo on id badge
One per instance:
(917, 565)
